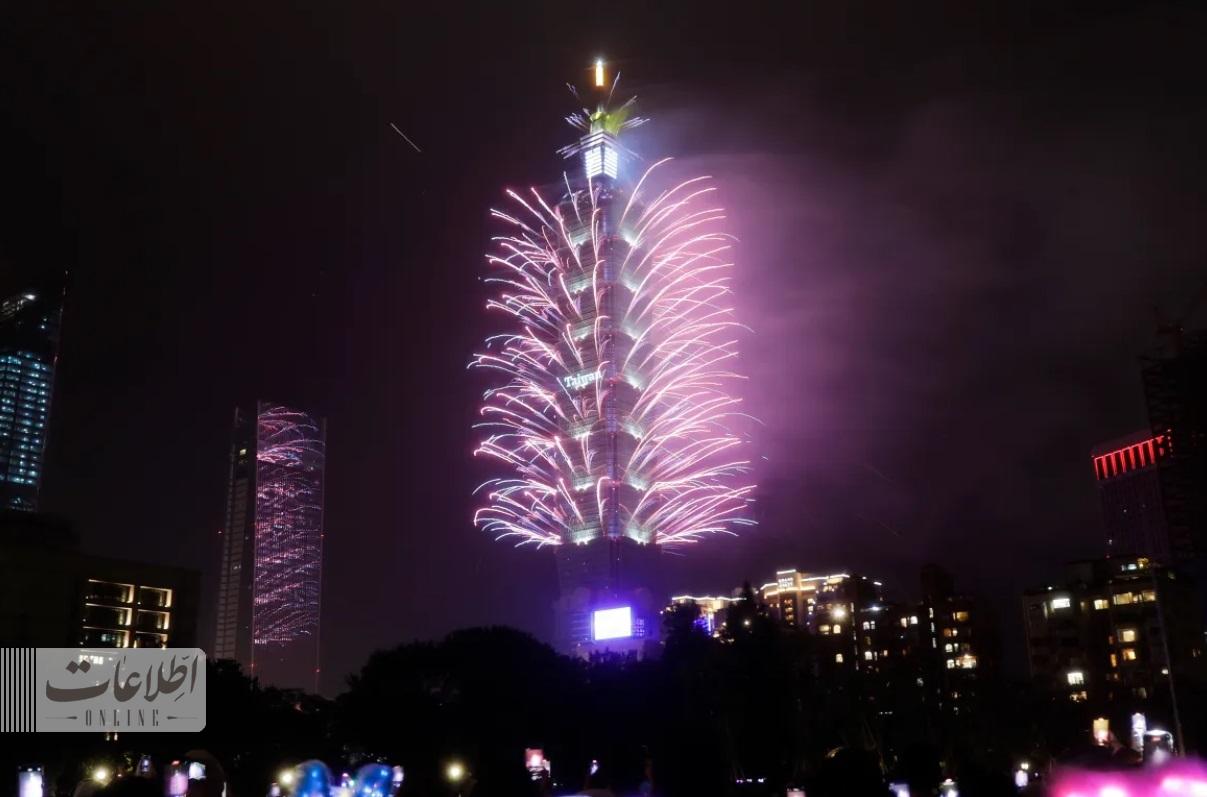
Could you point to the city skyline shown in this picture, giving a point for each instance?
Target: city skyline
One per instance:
(212, 262)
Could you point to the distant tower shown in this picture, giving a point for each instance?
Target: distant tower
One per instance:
(611, 413)
(270, 575)
(1129, 487)
(29, 348)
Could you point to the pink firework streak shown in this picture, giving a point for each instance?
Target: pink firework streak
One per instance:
(1183, 778)
(613, 415)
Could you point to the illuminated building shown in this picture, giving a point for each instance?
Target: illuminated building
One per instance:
(270, 574)
(1175, 389)
(52, 595)
(609, 415)
(29, 345)
(712, 609)
(1114, 634)
(829, 607)
(1129, 487)
(124, 604)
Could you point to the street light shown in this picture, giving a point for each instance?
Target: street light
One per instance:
(101, 775)
(285, 778)
(455, 772)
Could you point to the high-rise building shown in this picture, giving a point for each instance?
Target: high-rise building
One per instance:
(29, 347)
(610, 413)
(1175, 388)
(1129, 487)
(270, 574)
(1115, 634)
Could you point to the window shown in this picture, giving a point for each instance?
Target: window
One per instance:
(951, 664)
(1057, 603)
(1129, 654)
(962, 617)
(823, 629)
(948, 647)
(967, 662)
(1075, 677)
(1100, 603)
(1114, 660)
(837, 629)
(1123, 598)
(867, 655)
(1127, 635)
(951, 632)
(904, 622)
(1149, 595)
(838, 658)
(913, 619)
(1078, 697)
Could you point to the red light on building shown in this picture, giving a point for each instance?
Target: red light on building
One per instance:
(1131, 457)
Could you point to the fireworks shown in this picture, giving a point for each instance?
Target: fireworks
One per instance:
(611, 412)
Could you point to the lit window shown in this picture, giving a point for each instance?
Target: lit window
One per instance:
(1100, 603)
(1127, 635)
(838, 658)
(1061, 603)
(1075, 677)
(967, 662)
(1114, 660)
(823, 629)
(951, 664)
(1149, 595)
(950, 632)
(948, 647)
(962, 617)
(1078, 697)
(1129, 654)
(904, 622)
(1123, 598)
(866, 625)
(837, 629)
(913, 619)
(867, 655)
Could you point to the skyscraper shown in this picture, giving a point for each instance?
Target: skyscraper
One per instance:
(29, 347)
(270, 575)
(611, 414)
(1129, 487)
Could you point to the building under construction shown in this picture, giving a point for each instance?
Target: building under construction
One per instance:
(1175, 388)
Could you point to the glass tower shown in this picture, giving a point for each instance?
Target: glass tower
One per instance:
(29, 345)
(272, 553)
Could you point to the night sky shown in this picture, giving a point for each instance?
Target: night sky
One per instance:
(954, 223)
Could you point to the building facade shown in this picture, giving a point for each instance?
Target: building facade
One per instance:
(270, 572)
(29, 346)
(1127, 472)
(53, 595)
(1114, 634)
(1175, 390)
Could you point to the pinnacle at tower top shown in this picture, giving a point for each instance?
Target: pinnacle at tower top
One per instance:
(610, 414)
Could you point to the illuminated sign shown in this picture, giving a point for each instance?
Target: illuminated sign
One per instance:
(612, 623)
(580, 380)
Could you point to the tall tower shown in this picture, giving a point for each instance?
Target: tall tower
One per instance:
(270, 575)
(29, 348)
(612, 416)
